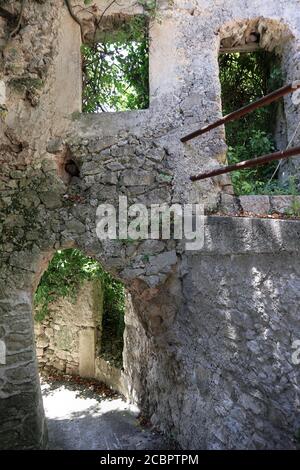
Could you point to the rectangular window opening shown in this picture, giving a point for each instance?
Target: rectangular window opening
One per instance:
(245, 77)
(115, 66)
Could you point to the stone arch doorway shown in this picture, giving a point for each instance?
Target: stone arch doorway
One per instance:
(22, 414)
(85, 382)
(79, 319)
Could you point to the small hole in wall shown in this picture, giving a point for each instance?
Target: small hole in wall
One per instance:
(71, 168)
(67, 167)
(115, 66)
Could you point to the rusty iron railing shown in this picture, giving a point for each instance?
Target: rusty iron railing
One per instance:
(270, 98)
(248, 163)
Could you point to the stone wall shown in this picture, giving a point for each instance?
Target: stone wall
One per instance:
(228, 352)
(60, 337)
(208, 335)
(69, 339)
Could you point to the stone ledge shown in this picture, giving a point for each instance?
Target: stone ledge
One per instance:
(245, 235)
(259, 205)
(255, 204)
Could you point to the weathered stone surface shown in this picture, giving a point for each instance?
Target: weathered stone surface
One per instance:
(229, 204)
(212, 331)
(50, 199)
(110, 375)
(42, 342)
(255, 204)
(217, 285)
(286, 204)
(2, 93)
(87, 352)
(58, 336)
(137, 178)
(55, 145)
(162, 262)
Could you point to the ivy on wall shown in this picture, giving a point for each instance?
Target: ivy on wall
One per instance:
(67, 270)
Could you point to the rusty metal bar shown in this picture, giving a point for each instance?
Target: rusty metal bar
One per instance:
(248, 163)
(274, 96)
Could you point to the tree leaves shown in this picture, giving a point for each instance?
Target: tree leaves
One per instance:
(67, 270)
(245, 77)
(115, 72)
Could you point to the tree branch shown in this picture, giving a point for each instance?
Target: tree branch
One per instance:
(16, 29)
(74, 17)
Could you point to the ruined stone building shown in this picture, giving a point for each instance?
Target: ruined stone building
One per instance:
(210, 334)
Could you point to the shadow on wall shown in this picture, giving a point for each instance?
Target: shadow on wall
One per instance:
(245, 301)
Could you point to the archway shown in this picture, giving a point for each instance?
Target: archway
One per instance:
(79, 320)
(79, 314)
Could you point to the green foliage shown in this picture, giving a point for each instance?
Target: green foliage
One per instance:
(115, 71)
(113, 321)
(244, 79)
(252, 180)
(294, 210)
(147, 4)
(67, 270)
(26, 83)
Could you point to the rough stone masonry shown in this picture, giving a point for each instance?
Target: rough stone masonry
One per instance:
(209, 335)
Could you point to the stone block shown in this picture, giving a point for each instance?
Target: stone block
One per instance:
(229, 204)
(60, 365)
(54, 145)
(51, 199)
(162, 262)
(42, 341)
(87, 352)
(39, 352)
(284, 204)
(255, 204)
(137, 178)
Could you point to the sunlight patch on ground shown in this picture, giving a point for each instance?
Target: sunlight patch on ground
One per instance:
(62, 403)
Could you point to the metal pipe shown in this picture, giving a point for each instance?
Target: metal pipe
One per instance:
(274, 96)
(248, 163)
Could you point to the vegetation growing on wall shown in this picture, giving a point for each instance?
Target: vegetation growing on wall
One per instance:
(67, 270)
(115, 71)
(113, 321)
(246, 77)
